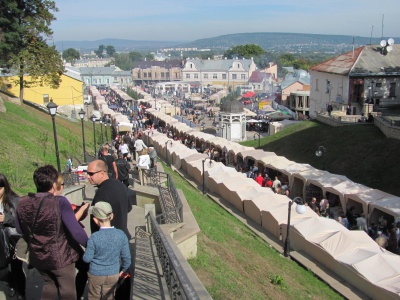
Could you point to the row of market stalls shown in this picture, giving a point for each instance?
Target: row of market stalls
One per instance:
(120, 122)
(353, 255)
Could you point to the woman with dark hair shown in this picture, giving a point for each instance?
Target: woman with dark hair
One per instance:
(54, 234)
(8, 206)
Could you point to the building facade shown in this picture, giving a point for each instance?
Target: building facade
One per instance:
(367, 79)
(225, 73)
(105, 76)
(70, 91)
(150, 72)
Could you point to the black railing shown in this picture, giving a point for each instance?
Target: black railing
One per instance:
(175, 197)
(170, 201)
(70, 178)
(179, 285)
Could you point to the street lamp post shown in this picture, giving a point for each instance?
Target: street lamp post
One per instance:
(321, 150)
(300, 209)
(101, 131)
(203, 161)
(52, 107)
(222, 130)
(257, 133)
(82, 116)
(93, 117)
(105, 127)
(166, 150)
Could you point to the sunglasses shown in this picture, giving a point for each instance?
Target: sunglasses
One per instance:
(92, 173)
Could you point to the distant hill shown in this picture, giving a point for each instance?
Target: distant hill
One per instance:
(119, 44)
(269, 41)
(278, 41)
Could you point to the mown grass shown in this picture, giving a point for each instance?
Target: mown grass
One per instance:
(360, 152)
(28, 141)
(234, 263)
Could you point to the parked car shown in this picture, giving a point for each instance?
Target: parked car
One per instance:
(277, 116)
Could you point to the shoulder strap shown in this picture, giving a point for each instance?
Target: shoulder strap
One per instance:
(37, 214)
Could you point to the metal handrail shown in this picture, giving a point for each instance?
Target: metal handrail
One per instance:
(70, 178)
(172, 211)
(179, 285)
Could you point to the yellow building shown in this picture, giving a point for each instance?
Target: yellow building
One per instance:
(70, 91)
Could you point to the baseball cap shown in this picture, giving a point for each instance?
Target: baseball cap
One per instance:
(102, 210)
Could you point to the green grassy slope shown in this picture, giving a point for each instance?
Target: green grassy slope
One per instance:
(27, 141)
(362, 153)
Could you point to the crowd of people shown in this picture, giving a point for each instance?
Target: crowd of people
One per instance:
(57, 244)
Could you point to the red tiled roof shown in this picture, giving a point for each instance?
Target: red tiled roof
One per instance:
(341, 64)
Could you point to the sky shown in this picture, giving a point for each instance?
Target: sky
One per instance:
(184, 20)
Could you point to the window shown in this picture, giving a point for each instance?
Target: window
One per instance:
(191, 66)
(392, 90)
(187, 76)
(149, 75)
(223, 76)
(234, 76)
(316, 84)
(115, 79)
(328, 86)
(243, 76)
(162, 74)
(196, 76)
(238, 66)
(378, 84)
(205, 76)
(215, 76)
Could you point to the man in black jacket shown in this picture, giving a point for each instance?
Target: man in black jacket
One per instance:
(116, 193)
(123, 168)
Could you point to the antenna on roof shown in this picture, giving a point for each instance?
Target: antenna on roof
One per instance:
(353, 46)
(383, 15)
(372, 30)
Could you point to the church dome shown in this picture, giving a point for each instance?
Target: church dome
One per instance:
(232, 106)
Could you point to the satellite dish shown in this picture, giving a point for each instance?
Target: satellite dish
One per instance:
(389, 48)
(390, 42)
(383, 43)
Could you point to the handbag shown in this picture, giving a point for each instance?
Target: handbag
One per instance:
(5, 249)
(22, 247)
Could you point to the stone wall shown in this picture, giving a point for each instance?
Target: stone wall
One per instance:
(387, 129)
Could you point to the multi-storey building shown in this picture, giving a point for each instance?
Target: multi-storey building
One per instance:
(150, 72)
(225, 72)
(106, 76)
(367, 79)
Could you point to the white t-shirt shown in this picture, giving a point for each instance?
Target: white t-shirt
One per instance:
(144, 161)
(123, 148)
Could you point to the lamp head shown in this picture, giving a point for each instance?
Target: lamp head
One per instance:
(93, 117)
(81, 113)
(52, 107)
(320, 151)
(300, 207)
